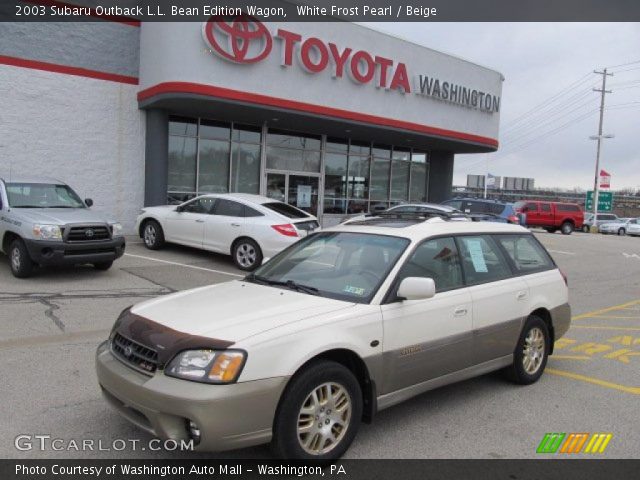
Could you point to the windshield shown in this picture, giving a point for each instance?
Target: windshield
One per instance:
(42, 195)
(341, 265)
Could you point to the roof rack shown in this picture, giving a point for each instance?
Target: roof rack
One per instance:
(421, 216)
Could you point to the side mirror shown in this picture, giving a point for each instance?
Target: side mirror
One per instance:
(179, 209)
(417, 288)
(88, 202)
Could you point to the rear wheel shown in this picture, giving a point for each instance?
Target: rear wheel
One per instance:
(567, 228)
(319, 413)
(622, 231)
(19, 259)
(152, 235)
(246, 254)
(530, 355)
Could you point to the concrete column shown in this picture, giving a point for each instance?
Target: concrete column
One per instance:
(440, 176)
(156, 158)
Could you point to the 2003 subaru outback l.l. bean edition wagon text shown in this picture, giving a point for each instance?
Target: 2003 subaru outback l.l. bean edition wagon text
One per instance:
(44, 222)
(342, 324)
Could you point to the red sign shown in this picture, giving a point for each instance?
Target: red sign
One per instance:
(246, 40)
(605, 179)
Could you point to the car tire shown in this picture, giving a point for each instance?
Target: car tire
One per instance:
(246, 254)
(103, 265)
(567, 228)
(531, 353)
(152, 235)
(19, 259)
(308, 399)
(622, 232)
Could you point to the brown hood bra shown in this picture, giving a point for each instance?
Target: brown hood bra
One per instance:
(166, 341)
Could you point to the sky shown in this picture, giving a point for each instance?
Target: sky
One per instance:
(542, 137)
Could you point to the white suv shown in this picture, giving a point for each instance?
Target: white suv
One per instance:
(342, 324)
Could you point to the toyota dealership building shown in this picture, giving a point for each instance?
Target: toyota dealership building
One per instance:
(333, 117)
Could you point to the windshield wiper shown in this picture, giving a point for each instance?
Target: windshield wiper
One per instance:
(290, 284)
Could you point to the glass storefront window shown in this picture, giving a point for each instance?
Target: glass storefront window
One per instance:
(214, 129)
(246, 133)
(182, 164)
(380, 179)
(418, 191)
(213, 175)
(399, 179)
(338, 145)
(358, 178)
(360, 148)
(279, 138)
(183, 126)
(401, 154)
(335, 185)
(245, 168)
(293, 160)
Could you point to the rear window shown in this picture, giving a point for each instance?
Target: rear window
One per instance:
(604, 216)
(565, 207)
(525, 252)
(285, 209)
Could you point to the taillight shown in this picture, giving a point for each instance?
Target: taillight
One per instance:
(286, 229)
(564, 277)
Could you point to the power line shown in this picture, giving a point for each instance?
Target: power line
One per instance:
(551, 99)
(624, 64)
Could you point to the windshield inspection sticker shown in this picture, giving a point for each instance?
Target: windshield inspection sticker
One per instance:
(477, 257)
(354, 290)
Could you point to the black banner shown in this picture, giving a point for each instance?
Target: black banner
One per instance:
(324, 10)
(548, 469)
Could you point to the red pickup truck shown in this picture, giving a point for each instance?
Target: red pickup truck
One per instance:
(551, 216)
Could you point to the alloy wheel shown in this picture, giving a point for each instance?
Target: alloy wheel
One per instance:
(246, 255)
(324, 418)
(16, 259)
(149, 235)
(533, 351)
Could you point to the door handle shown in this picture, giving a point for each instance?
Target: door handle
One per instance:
(460, 311)
(522, 295)
(199, 221)
(235, 224)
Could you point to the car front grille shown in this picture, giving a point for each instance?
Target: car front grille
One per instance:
(135, 355)
(310, 225)
(88, 233)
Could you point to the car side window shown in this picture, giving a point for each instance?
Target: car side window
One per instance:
(251, 212)
(482, 260)
(437, 259)
(228, 208)
(532, 207)
(545, 207)
(201, 205)
(525, 252)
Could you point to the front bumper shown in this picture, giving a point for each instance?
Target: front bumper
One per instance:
(229, 416)
(46, 252)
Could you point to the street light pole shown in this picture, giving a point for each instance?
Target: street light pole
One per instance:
(599, 137)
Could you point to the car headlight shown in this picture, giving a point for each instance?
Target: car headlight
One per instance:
(207, 366)
(47, 232)
(116, 229)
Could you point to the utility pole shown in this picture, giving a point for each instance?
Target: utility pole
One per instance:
(599, 137)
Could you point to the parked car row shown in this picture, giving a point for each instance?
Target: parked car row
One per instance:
(44, 222)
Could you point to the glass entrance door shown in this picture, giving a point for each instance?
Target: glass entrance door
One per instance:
(301, 191)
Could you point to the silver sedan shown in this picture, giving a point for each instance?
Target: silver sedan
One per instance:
(620, 227)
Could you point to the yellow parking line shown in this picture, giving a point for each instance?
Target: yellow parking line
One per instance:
(571, 357)
(603, 327)
(616, 317)
(605, 310)
(595, 381)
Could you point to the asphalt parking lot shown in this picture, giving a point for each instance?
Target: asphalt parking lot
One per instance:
(51, 324)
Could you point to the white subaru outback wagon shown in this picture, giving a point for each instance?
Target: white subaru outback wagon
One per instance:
(340, 325)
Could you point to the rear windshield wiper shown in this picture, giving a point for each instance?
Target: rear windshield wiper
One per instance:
(290, 284)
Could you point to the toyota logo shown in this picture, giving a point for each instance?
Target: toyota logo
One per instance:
(243, 40)
(128, 351)
(89, 233)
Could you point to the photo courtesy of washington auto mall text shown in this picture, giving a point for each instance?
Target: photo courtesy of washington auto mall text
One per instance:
(359, 239)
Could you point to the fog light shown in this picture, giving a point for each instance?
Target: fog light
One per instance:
(194, 431)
